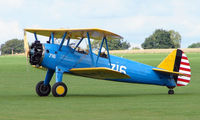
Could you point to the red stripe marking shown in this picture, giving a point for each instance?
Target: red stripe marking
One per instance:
(183, 57)
(183, 63)
(180, 85)
(185, 69)
(183, 80)
(187, 75)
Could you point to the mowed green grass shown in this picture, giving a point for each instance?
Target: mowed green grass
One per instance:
(90, 99)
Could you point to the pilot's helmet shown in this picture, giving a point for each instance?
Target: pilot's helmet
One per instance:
(103, 50)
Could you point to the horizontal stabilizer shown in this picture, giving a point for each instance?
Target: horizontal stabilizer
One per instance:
(99, 73)
(168, 72)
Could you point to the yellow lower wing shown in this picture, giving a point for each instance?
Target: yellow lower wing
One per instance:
(99, 73)
(40, 67)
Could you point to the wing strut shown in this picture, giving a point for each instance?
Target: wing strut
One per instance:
(100, 50)
(78, 44)
(63, 39)
(104, 39)
(91, 54)
(52, 37)
(68, 40)
(107, 51)
(35, 36)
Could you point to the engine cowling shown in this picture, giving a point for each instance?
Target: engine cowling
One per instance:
(36, 53)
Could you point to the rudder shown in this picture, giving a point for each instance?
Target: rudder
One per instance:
(183, 67)
(177, 61)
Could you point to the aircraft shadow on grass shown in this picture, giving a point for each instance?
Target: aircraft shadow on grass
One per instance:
(126, 95)
(136, 95)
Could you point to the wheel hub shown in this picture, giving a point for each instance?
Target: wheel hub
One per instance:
(60, 90)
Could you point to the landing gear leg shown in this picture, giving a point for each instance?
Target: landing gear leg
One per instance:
(43, 88)
(59, 89)
(48, 77)
(171, 91)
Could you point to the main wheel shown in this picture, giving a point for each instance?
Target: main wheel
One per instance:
(43, 90)
(59, 89)
(171, 92)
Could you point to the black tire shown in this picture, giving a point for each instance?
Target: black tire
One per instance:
(171, 92)
(59, 89)
(43, 90)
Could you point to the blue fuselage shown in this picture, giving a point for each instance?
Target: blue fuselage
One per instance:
(68, 59)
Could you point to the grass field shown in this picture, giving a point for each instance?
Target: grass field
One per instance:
(90, 99)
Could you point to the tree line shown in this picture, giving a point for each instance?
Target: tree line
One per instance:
(162, 39)
(12, 47)
(165, 39)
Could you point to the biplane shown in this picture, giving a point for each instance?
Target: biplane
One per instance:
(63, 57)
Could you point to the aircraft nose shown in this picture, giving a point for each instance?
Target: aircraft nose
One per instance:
(36, 53)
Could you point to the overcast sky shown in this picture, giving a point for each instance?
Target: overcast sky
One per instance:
(133, 19)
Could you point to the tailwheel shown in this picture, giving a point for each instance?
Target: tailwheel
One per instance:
(59, 89)
(171, 91)
(43, 90)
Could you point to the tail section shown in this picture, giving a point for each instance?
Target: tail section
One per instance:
(177, 61)
(185, 69)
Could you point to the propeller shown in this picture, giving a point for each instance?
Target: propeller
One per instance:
(26, 49)
(33, 53)
(26, 45)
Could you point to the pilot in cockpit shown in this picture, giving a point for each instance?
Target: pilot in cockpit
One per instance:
(103, 52)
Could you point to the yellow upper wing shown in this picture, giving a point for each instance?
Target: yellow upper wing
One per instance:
(99, 73)
(95, 33)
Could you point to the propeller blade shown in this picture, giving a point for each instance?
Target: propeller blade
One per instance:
(26, 45)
